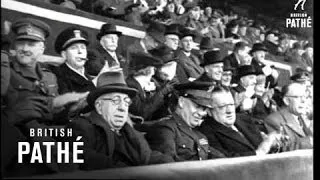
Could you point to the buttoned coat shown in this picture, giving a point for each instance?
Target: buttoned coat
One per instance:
(229, 141)
(299, 135)
(174, 137)
(101, 149)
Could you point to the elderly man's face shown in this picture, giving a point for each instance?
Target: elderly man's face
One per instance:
(187, 43)
(75, 55)
(172, 41)
(214, 70)
(259, 55)
(192, 113)
(226, 78)
(113, 107)
(244, 53)
(110, 42)
(295, 99)
(28, 51)
(248, 80)
(223, 109)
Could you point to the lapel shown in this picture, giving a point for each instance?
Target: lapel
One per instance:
(73, 76)
(184, 128)
(188, 62)
(97, 120)
(106, 56)
(291, 123)
(228, 132)
(234, 60)
(135, 84)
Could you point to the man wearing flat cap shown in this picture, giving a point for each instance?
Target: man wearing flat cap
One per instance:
(188, 68)
(109, 139)
(149, 97)
(105, 56)
(176, 135)
(213, 67)
(32, 99)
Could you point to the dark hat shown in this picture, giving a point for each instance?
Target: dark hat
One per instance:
(70, 36)
(197, 92)
(187, 32)
(246, 70)
(258, 47)
(142, 60)
(206, 43)
(173, 29)
(29, 28)
(156, 30)
(108, 29)
(233, 23)
(228, 67)
(300, 77)
(308, 45)
(212, 57)
(273, 31)
(108, 82)
(128, 9)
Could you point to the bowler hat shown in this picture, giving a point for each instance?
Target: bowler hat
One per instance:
(212, 57)
(108, 82)
(142, 60)
(246, 70)
(156, 30)
(206, 43)
(197, 92)
(228, 67)
(70, 36)
(173, 29)
(258, 47)
(187, 32)
(29, 28)
(108, 29)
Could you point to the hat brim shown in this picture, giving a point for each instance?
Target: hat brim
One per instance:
(202, 102)
(260, 49)
(28, 37)
(86, 42)
(246, 74)
(215, 62)
(99, 35)
(93, 95)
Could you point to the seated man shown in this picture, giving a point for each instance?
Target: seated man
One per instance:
(234, 136)
(108, 136)
(291, 120)
(175, 135)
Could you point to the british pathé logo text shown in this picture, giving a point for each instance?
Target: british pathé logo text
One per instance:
(299, 20)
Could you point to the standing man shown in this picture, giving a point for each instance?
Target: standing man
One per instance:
(105, 54)
(290, 118)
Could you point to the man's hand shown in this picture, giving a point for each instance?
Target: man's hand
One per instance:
(268, 142)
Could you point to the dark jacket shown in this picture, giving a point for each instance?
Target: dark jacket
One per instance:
(269, 79)
(228, 140)
(174, 137)
(231, 60)
(103, 148)
(272, 48)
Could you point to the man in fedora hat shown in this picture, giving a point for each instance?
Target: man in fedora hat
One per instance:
(149, 98)
(105, 56)
(213, 67)
(232, 134)
(109, 139)
(176, 135)
(258, 53)
(189, 67)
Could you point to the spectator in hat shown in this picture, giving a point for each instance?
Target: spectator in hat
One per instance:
(232, 29)
(284, 45)
(254, 32)
(239, 56)
(307, 56)
(105, 56)
(206, 45)
(258, 53)
(213, 68)
(176, 135)
(189, 67)
(290, 118)
(227, 75)
(149, 97)
(232, 134)
(294, 56)
(109, 138)
(271, 41)
(32, 99)
(215, 29)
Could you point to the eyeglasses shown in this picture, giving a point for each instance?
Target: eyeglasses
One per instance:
(224, 107)
(117, 99)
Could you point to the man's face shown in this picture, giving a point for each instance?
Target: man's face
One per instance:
(187, 43)
(226, 78)
(75, 55)
(309, 51)
(273, 38)
(172, 41)
(243, 30)
(113, 107)
(28, 51)
(223, 109)
(214, 70)
(192, 113)
(248, 80)
(110, 42)
(295, 99)
(259, 55)
(208, 11)
(244, 55)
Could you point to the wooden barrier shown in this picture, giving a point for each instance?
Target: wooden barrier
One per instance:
(295, 165)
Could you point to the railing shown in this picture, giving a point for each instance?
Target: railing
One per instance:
(295, 165)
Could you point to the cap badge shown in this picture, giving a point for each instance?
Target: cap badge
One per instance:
(29, 29)
(77, 33)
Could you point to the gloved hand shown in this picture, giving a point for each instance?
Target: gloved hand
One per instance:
(31, 108)
(169, 86)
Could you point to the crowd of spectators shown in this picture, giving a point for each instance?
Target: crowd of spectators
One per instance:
(198, 86)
